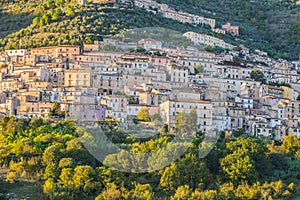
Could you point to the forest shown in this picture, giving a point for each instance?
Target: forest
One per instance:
(51, 156)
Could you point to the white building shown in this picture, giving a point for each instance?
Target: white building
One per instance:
(207, 40)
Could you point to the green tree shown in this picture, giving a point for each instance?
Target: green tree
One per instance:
(51, 155)
(192, 120)
(169, 177)
(143, 114)
(70, 12)
(66, 162)
(55, 17)
(36, 122)
(290, 144)
(257, 75)
(246, 160)
(56, 111)
(50, 188)
(199, 69)
(51, 172)
(36, 21)
(239, 167)
(112, 192)
(66, 178)
(187, 123)
(141, 191)
(45, 19)
(182, 193)
(83, 178)
(176, 174)
(209, 48)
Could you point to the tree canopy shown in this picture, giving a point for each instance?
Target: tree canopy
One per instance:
(51, 153)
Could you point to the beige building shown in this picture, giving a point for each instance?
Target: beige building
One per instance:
(178, 74)
(17, 52)
(268, 90)
(136, 80)
(117, 107)
(91, 47)
(289, 93)
(206, 60)
(78, 78)
(67, 51)
(153, 98)
(234, 72)
(26, 59)
(108, 81)
(171, 108)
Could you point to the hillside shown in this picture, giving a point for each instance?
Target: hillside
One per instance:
(40, 24)
(270, 25)
(267, 25)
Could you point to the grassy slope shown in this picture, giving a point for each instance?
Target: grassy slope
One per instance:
(89, 23)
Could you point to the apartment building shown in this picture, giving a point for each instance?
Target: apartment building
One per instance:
(178, 73)
(117, 107)
(171, 108)
(78, 77)
(207, 40)
(67, 51)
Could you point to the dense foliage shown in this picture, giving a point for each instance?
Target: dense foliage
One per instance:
(51, 154)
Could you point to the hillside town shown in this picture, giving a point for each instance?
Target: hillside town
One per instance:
(258, 97)
(168, 12)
